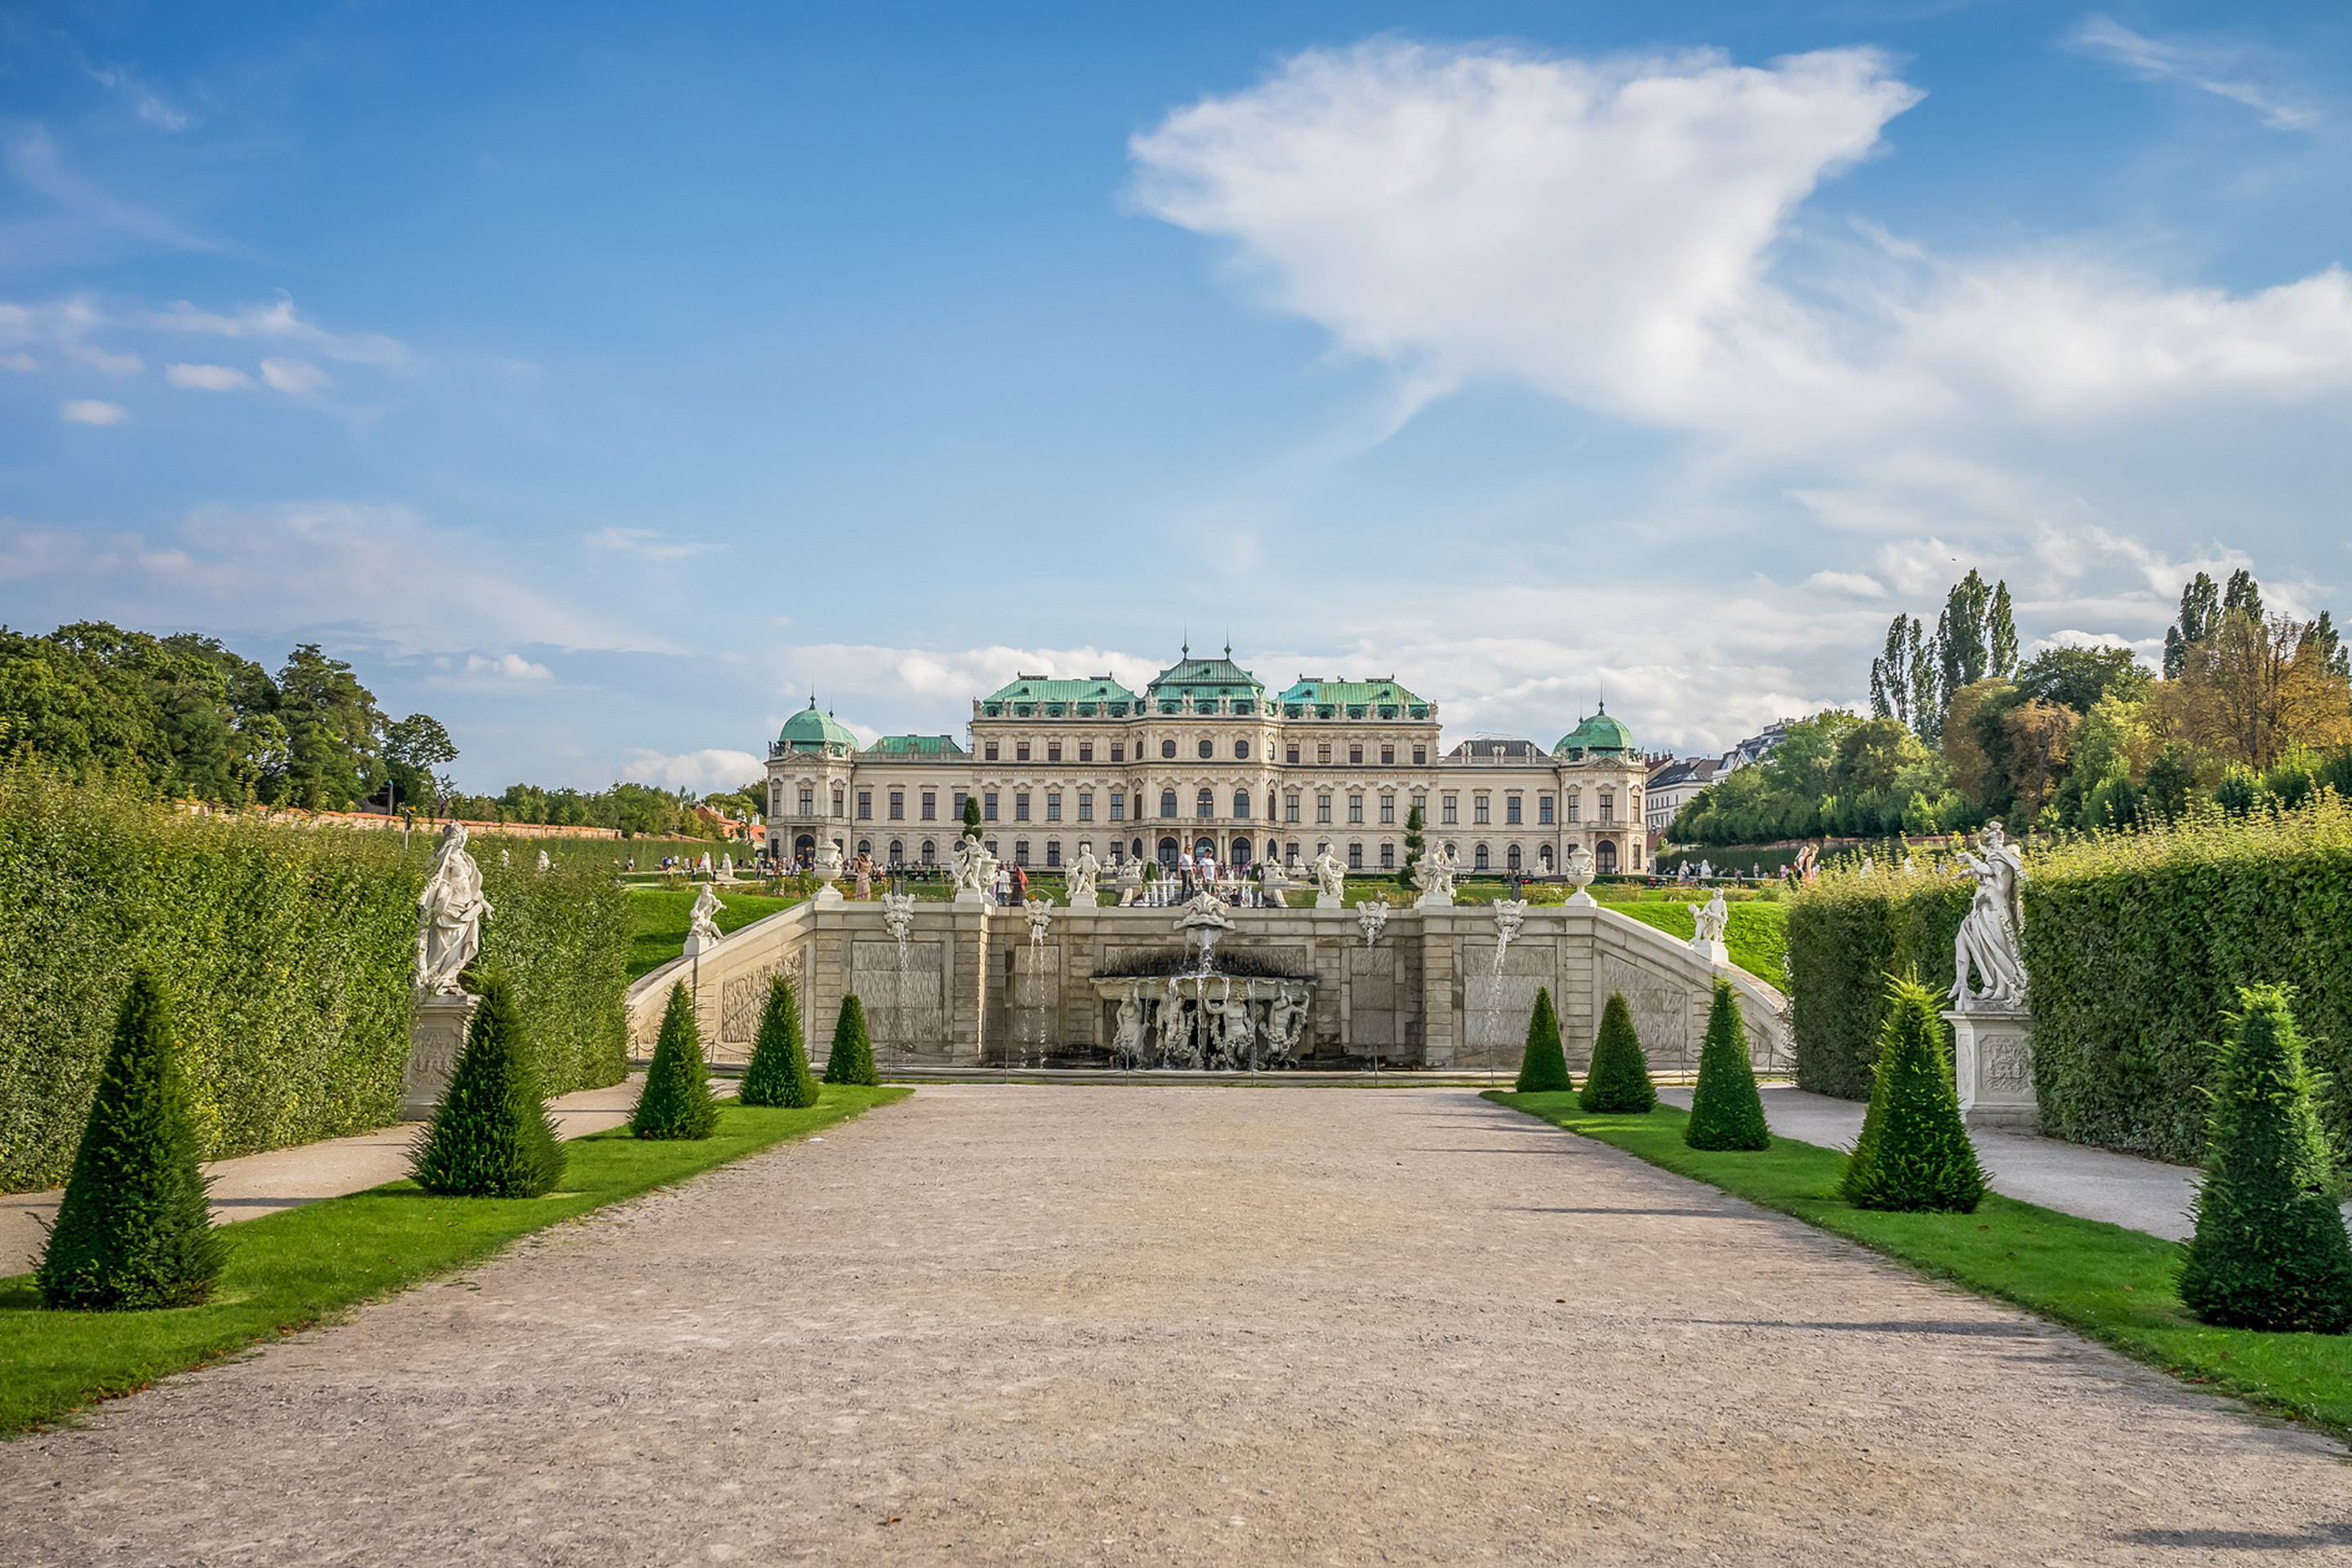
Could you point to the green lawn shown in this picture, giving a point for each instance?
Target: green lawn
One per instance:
(2110, 1283)
(661, 920)
(1757, 937)
(288, 1271)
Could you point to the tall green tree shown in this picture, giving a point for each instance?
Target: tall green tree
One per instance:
(133, 1229)
(416, 750)
(334, 732)
(1960, 632)
(2000, 635)
(2200, 612)
(1414, 845)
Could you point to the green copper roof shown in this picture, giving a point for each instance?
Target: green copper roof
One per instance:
(1352, 693)
(1039, 689)
(916, 746)
(1190, 677)
(810, 731)
(1597, 736)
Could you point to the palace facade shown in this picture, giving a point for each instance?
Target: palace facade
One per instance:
(1204, 760)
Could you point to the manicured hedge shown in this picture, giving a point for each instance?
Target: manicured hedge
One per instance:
(288, 951)
(2136, 944)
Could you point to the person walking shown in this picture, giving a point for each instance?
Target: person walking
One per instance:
(1020, 885)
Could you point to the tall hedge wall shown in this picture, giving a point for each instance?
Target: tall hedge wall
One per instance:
(2135, 944)
(289, 951)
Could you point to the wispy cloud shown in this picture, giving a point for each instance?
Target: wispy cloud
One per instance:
(2219, 69)
(646, 543)
(206, 377)
(507, 667)
(81, 212)
(279, 320)
(150, 105)
(714, 768)
(93, 411)
(295, 378)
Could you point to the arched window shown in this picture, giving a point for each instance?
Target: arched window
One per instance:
(930, 853)
(1604, 858)
(866, 847)
(1204, 804)
(1204, 848)
(1241, 852)
(1241, 803)
(1355, 857)
(1167, 850)
(898, 852)
(1478, 859)
(1511, 857)
(1139, 848)
(1208, 750)
(1167, 803)
(1274, 850)
(1543, 857)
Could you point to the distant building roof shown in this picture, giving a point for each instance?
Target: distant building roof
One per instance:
(1599, 736)
(916, 746)
(1050, 689)
(810, 731)
(1190, 677)
(1491, 748)
(1677, 771)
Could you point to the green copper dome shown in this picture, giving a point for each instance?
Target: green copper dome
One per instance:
(810, 731)
(1599, 736)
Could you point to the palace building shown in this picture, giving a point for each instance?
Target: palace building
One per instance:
(1204, 760)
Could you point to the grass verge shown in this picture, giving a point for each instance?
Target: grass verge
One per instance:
(661, 921)
(288, 1271)
(2117, 1286)
(1757, 937)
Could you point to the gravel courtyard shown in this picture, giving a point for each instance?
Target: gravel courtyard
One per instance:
(998, 1323)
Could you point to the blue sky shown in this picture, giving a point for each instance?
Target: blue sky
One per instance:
(600, 378)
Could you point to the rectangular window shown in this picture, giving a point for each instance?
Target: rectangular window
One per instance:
(960, 798)
(1355, 857)
(1449, 809)
(1052, 852)
(1085, 806)
(1053, 806)
(1118, 805)
(1290, 755)
(1323, 808)
(1387, 811)
(1085, 751)
(1355, 808)
(1608, 808)
(866, 806)
(1387, 857)
(1420, 756)
(1020, 751)
(1479, 810)
(989, 750)
(1118, 750)
(930, 805)
(1290, 808)
(897, 805)
(1388, 753)
(1053, 755)
(988, 804)
(1543, 810)
(1511, 811)
(1575, 806)
(1020, 806)
(1323, 751)
(808, 803)
(1356, 753)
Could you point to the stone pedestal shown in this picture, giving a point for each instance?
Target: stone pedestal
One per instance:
(1581, 899)
(1715, 952)
(1433, 901)
(695, 947)
(1330, 901)
(1993, 1060)
(827, 896)
(437, 1033)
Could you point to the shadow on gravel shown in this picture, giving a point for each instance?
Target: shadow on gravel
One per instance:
(2240, 1540)
(1664, 1213)
(1960, 1327)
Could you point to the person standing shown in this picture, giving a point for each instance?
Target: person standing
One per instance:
(1020, 885)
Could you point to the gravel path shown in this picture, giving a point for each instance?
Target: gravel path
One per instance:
(1179, 1325)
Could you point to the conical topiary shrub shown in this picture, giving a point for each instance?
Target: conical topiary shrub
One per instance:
(1914, 1154)
(851, 1061)
(676, 1101)
(490, 1137)
(1619, 1078)
(779, 1071)
(2270, 1250)
(133, 1230)
(1543, 1070)
(1725, 1112)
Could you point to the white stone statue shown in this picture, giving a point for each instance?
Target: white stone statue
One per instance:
(1040, 910)
(1433, 875)
(1127, 1036)
(544, 863)
(1331, 879)
(1241, 1028)
(1510, 914)
(450, 913)
(828, 862)
(1271, 884)
(899, 918)
(701, 864)
(702, 921)
(504, 858)
(1372, 915)
(975, 871)
(1988, 939)
(727, 868)
(1176, 1047)
(1129, 881)
(1708, 922)
(1084, 871)
(1285, 1023)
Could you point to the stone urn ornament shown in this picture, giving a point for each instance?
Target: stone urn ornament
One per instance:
(1579, 867)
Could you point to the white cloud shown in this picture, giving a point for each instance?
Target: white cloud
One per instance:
(2216, 69)
(145, 101)
(22, 362)
(702, 771)
(92, 411)
(279, 320)
(206, 377)
(1623, 234)
(105, 361)
(650, 544)
(507, 667)
(295, 378)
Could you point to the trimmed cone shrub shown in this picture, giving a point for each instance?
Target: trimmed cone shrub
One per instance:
(851, 1059)
(779, 1071)
(490, 1137)
(133, 1230)
(676, 1101)
(1725, 1112)
(1619, 1078)
(2270, 1250)
(1543, 1070)
(1914, 1154)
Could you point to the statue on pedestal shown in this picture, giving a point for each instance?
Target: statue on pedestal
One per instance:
(1127, 1038)
(544, 863)
(1434, 875)
(702, 920)
(975, 869)
(1990, 931)
(1272, 883)
(1084, 871)
(1331, 879)
(1129, 881)
(1710, 920)
(450, 913)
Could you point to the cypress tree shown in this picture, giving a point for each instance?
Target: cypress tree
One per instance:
(133, 1230)
(1725, 1112)
(1914, 1154)
(676, 1101)
(1543, 1070)
(1619, 1078)
(779, 1071)
(1412, 847)
(490, 1137)
(851, 1059)
(2270, 1250)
